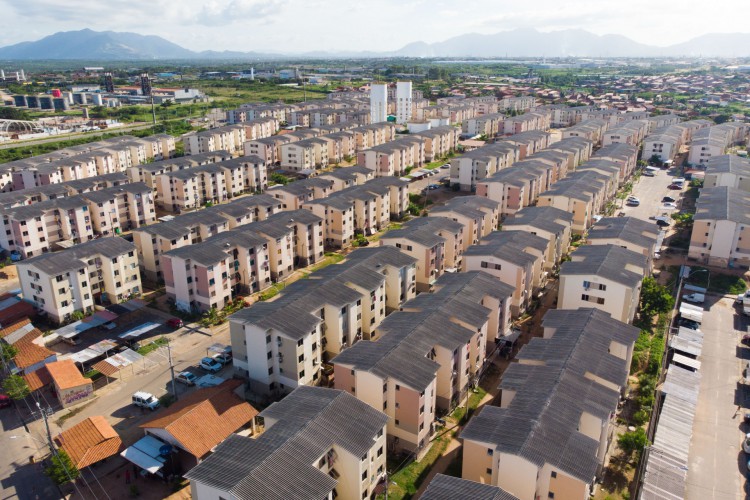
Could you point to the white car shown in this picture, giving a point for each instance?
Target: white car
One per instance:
(669, 206)
(633, 198)
(210, 365)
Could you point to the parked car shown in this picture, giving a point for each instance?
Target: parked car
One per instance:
(633, 198)
(210, 365)
(669, 206)
(668, 199)
(633, 203)
(689, 323)
(432, 187)
(746, 444)
(649, 173)
(175, 323)
(447, 165)
(5, 401)
(675, 186)
(145, 400)
(697, 298)
(745, 339)
(187, 378)
(662, 223)
(224, 358)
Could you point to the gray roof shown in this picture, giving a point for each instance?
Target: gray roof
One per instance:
(407, 337)
(606, 261)
(279, 464)
(296, 311)
(511, 246)
(723, 203)
(422, 236)
(553, 393)
(628, 229)
(728, 164)
(444, 487)
(70, 259)
(548, 219)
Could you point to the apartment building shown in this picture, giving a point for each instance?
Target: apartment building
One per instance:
(580, 148)
(550, 223)
(624, 155)
(99, 272)
(279, 345)
(38, 194)
(637, 235)
(243, 260)
(403, 101)
(439, 141)
(334, 443)
(268, 148)
(515, 258)
(344, 177)
(582, 194)
(513, 188)
(394, 158)
(194, 227)
(526, 123)
(592, 130)
(32, 230)
(560, 399)
(728, 170)
(149, 172)
(489, 125)
(530, 142)
(473, 166)
(454, 234)
(230, 138)
(605, 277)
(630, 132)
(721, 227)
(295, 194)
(305, 155)
(479, 216)
(426, 246)
(425, 357)
(713, 141)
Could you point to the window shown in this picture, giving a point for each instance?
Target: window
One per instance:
(397, 422)
(553, 474)
(550, 495)
(489, 471)
(490, 451)
(398, 387)
(269, 355)
(380, 450)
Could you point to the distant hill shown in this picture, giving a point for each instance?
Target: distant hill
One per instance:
(567, 43)
(115, 46)
(95, 45)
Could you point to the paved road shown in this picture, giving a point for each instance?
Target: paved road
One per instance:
(717, 463)
(65, 137)
(20, 479)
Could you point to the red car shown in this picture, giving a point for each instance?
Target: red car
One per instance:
(5, 401)
(175, 323)
(675, 186)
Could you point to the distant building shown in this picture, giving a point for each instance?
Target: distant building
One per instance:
(403, 102)
(378, 102)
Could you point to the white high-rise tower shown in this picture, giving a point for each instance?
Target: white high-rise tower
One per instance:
(403, 102)
(378, 102)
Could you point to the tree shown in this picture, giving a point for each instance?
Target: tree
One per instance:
(13, 114)
(655, 298)
(16, 387)
(655, 160)
(8, 351)
(683, 220)
(632, 442)
(61, 468)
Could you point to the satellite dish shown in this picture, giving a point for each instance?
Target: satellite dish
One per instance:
(165, 450)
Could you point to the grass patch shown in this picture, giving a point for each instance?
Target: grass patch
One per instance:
(72, 413)
(462, 414)
(271, 292)
(408, 479)
(153, 346)
(330, 258)
(718, 283)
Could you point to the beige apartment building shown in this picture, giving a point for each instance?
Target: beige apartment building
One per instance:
(550, 223)
(582, 194)
(605, 277)
(281, 344)
(334, 443)
(637, 235)
(721, 227)
(228, 138)
(99, 272)
(479, 216)
(728, 170)
(560, 399)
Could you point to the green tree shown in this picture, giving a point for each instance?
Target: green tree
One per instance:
(13, 114)
(61, 468)
(279, 179)
(655, 298)
(655, 160)
(683, 220)
(8, 351)
(16, 387)
(632, 442)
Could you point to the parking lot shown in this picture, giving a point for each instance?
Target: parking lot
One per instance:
(717, 463)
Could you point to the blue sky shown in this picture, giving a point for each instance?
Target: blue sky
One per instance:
(295, 26)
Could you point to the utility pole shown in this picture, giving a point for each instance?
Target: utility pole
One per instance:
(171, 369)
(46, 425)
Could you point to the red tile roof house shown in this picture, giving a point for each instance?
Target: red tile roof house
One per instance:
(89, 442)
(198, 422)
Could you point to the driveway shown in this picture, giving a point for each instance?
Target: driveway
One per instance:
(717, 463)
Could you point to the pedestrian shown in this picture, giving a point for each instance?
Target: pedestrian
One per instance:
(127, 477)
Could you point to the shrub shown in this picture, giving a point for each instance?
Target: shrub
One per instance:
(61, 468)
(632, 442)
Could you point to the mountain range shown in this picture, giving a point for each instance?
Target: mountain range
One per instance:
(92, 45)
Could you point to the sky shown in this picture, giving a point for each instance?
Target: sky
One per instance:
(298, 26)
